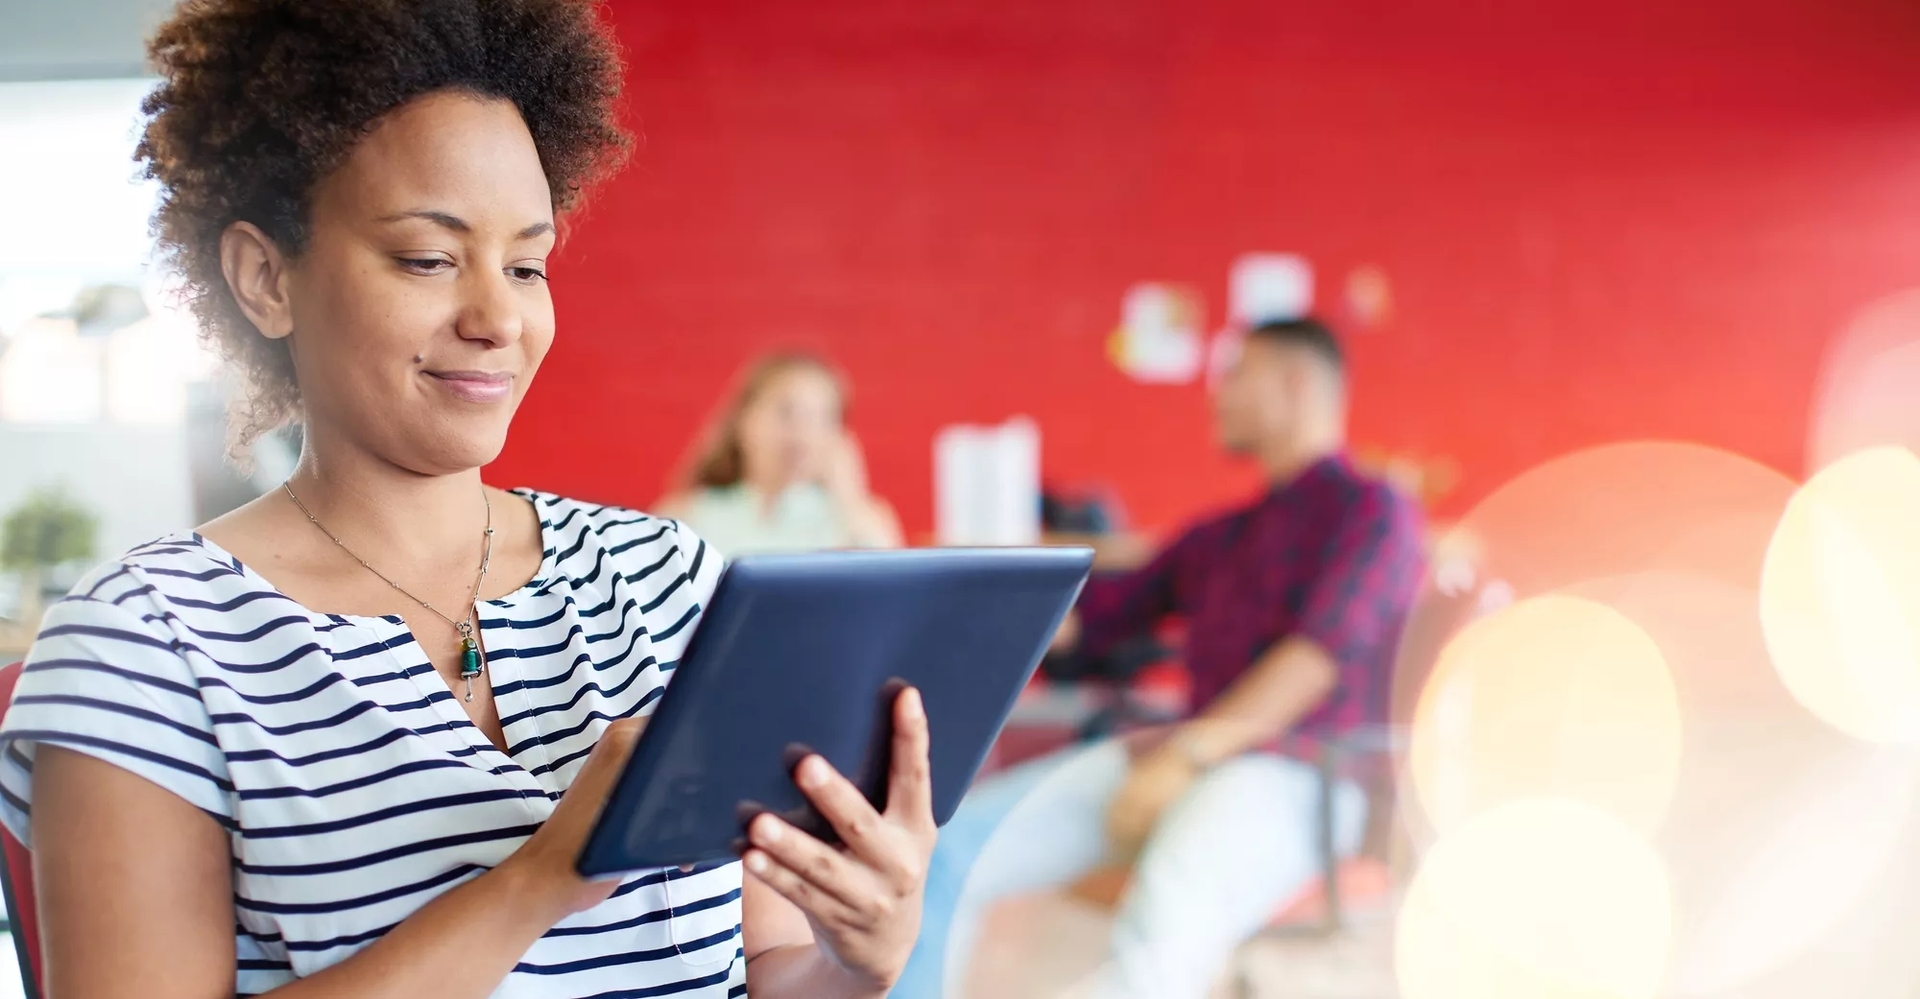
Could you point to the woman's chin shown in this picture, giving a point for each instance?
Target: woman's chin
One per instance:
(452, 454)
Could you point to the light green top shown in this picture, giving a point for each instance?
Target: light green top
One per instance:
(736, 521)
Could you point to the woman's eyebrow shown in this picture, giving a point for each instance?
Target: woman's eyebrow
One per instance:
(445, 219)
(458, 224)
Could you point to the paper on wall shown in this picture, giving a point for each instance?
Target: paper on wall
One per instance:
(1159, 340)
(1261, 288)
(987, 484)
(1264, 287)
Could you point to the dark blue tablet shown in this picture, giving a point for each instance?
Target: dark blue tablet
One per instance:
(800, 653)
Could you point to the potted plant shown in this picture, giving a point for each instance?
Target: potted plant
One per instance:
(48, 529)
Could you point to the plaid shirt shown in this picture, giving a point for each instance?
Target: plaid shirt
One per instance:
(1333, 556)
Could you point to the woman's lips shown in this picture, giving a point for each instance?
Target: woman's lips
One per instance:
(475, 386)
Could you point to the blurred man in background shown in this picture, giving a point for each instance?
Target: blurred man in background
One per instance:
(1294, 604)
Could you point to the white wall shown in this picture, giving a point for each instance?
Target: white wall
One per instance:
(72, 212)
(135, 479)
(76, 39)
(71, 202)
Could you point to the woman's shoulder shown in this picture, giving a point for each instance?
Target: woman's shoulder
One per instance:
(117, 672)
(178, 568)
(137, 616)
(160, 599)
(692, 503)
(582, 539)
(686, 504)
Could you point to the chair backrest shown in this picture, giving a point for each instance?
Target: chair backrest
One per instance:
(16, 877)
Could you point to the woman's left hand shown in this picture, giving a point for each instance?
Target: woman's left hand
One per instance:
(863, 898)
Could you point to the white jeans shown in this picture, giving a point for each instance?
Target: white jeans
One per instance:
(1241, 841)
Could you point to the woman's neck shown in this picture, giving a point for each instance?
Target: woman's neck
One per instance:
(378, 508)
(767, 487)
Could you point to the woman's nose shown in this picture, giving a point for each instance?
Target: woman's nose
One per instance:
(491, 311)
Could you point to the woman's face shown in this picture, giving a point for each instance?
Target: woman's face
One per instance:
(789, 430)
(420, 309)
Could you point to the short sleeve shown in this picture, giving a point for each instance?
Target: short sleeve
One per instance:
(102, 681)
(1357, 604)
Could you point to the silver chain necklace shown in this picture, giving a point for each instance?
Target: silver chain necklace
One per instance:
(471, 664)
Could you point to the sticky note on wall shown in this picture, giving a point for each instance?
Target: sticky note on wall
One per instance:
(1264, 287)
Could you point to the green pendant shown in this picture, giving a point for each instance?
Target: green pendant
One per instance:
(469, 658)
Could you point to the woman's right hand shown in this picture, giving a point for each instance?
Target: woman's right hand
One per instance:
(843, 468)
(546, 860)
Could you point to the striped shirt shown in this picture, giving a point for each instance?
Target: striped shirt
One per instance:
(351, 784)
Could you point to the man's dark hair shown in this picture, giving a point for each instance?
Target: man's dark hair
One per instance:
(1307, 333)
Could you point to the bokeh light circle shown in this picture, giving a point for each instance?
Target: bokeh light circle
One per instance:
(1539, 899)
(1605, 512)
(1555, 695)
(1840, 595)
(1787, 622)
(1869, 380)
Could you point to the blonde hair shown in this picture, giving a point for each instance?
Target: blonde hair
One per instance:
(719, 461)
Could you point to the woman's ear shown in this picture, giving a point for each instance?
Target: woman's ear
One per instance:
(256, 273)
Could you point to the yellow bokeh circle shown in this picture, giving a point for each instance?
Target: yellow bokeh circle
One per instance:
(1539, 899)
(1840, 595)
(1556, 695)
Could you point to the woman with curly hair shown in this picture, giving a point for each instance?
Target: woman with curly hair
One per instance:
(347, 740)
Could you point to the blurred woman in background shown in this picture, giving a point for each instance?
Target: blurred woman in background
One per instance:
(780, 472)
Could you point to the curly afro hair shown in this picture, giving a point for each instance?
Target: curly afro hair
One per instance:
(261, 99)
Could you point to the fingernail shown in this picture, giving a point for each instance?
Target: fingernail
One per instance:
(914, 708)
(813, 772)
(767, 830)
(757, 862)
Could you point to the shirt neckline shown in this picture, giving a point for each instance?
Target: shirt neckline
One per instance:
(545, 572)
(1304, 479)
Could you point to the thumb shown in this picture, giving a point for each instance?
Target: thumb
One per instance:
(608, 758)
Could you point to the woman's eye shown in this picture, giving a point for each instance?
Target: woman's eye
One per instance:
(528, 274)
(425, 265)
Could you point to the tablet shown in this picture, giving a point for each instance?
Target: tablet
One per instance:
(803, 653)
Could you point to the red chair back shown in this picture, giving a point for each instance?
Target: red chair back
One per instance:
(16, 877)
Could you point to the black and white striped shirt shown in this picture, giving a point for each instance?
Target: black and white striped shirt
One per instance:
(352, 784)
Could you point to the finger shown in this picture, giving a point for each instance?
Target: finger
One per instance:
(879, 843)
(608, 758)
(849, 812)
(910, 786)
(798, 890)
(817, 863)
